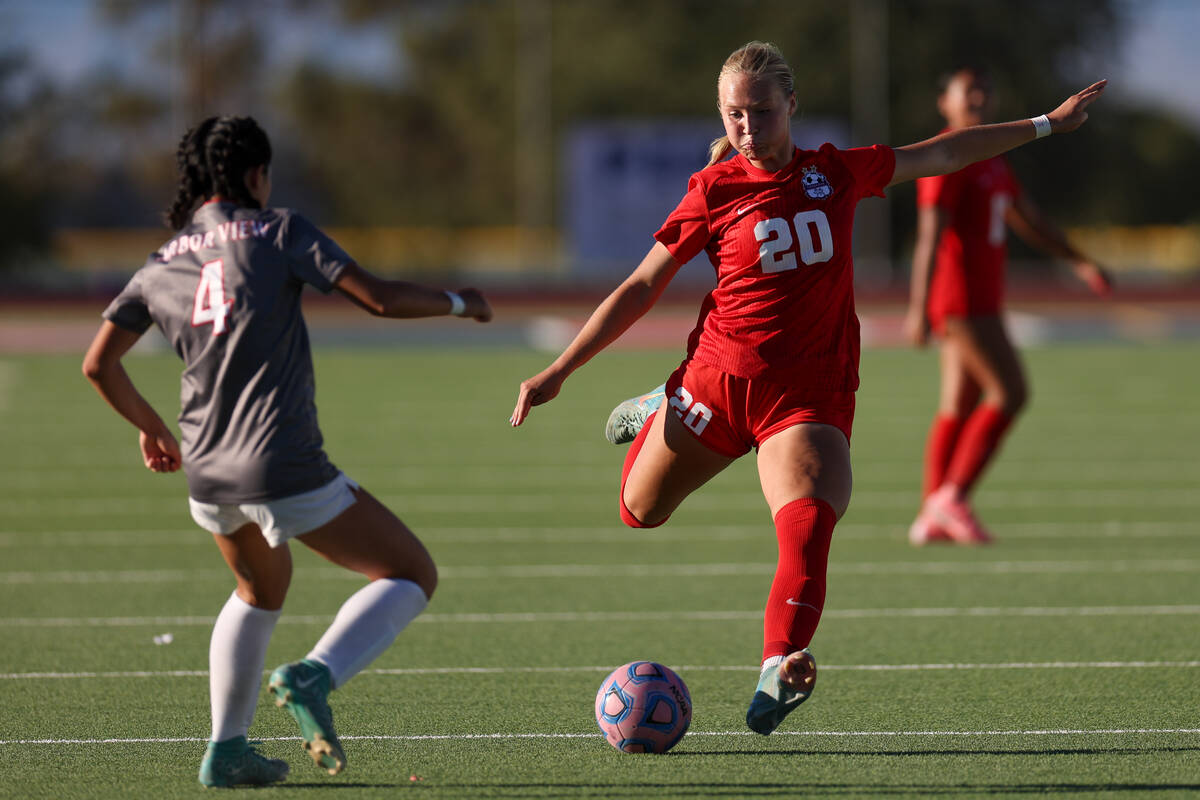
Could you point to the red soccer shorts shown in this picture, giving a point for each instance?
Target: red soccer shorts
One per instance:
(731, 415)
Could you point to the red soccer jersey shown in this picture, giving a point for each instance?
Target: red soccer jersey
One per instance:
(968, 275)
(783, 307)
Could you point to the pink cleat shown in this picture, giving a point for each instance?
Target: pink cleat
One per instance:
(955, 517)
(925, 530)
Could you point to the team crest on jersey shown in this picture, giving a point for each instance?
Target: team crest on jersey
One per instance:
(816, 185)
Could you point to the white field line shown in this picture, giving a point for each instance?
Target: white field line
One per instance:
(109, 538)
(598, 735)
(19, 504)
(1110, 465)
(400, 479)
(965, 667)
(632, 616)
(86, 461)
(682, 531)
(607, 571)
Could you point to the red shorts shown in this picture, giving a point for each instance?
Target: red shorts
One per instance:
(732, 415)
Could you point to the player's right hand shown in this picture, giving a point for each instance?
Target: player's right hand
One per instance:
(160, 451)
(916, 327)
(541, 388)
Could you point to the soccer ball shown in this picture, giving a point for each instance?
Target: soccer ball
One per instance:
(643, 707)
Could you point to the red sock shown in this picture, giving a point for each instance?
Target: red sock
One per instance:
(939, 448)
(804, 528)
(980, 437)
(635, 447)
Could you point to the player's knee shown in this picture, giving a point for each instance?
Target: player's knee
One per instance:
(423, 572)
(1010, 397)
(1016, 397)
(639, 516)
(264, 596)
(428, 580)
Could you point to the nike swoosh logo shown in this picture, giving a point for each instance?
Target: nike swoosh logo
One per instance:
(305, 684)
(792, 602)
(791, 701)
(744, 209)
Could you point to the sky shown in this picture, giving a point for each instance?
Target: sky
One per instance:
(1157, 63)
(62, 38)
(1161, 58)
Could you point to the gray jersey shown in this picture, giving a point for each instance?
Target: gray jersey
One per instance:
(225, 292)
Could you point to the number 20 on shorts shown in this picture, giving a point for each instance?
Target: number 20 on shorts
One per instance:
(812, 237)
(693, 414)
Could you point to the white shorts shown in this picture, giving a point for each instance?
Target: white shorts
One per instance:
(281, 519)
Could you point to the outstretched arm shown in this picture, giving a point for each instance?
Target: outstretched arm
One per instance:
(102, 366)
(627, 303)
(401, 299)
(1028, 222)
(953, 150)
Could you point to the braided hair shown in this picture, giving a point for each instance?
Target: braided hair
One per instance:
(212, 160)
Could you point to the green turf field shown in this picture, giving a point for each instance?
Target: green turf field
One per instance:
(1064, 660)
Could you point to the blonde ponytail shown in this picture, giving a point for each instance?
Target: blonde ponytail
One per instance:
(719, 148)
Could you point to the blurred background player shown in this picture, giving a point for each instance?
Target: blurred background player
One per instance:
(772, 364)
(957, 291)
(226, 294)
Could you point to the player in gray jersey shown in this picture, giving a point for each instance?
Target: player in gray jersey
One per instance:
(225, 291)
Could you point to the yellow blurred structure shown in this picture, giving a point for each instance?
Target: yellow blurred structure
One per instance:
(506, 250)
(1173, 249)
(511, 251)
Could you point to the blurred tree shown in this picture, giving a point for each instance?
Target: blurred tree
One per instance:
(1037, 54)
(454, 120)
(26, 189)
(466, 130)
(212, 50)
(446, 140)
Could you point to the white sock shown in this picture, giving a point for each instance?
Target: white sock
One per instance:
(366, 625)
(773, 661)
(235, 665)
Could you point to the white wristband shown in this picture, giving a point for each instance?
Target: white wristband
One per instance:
(1041, 126)
(457, 305)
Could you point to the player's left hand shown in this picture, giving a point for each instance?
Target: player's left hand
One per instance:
(160, 452)
(541, 388)
(1072, 113)
(1095, 276)
(478, 307)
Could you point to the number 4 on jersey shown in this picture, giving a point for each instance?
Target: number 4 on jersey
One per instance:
(211, 305)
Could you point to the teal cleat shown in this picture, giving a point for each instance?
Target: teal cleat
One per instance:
(303, 687)
(628, 418)
(780, 690)
(234, 762)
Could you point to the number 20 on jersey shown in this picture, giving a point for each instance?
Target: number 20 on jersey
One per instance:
(808, 235)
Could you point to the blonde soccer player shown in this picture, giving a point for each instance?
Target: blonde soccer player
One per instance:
(772, 364)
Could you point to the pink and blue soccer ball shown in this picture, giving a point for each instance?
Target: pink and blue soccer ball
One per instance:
(643, 707)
